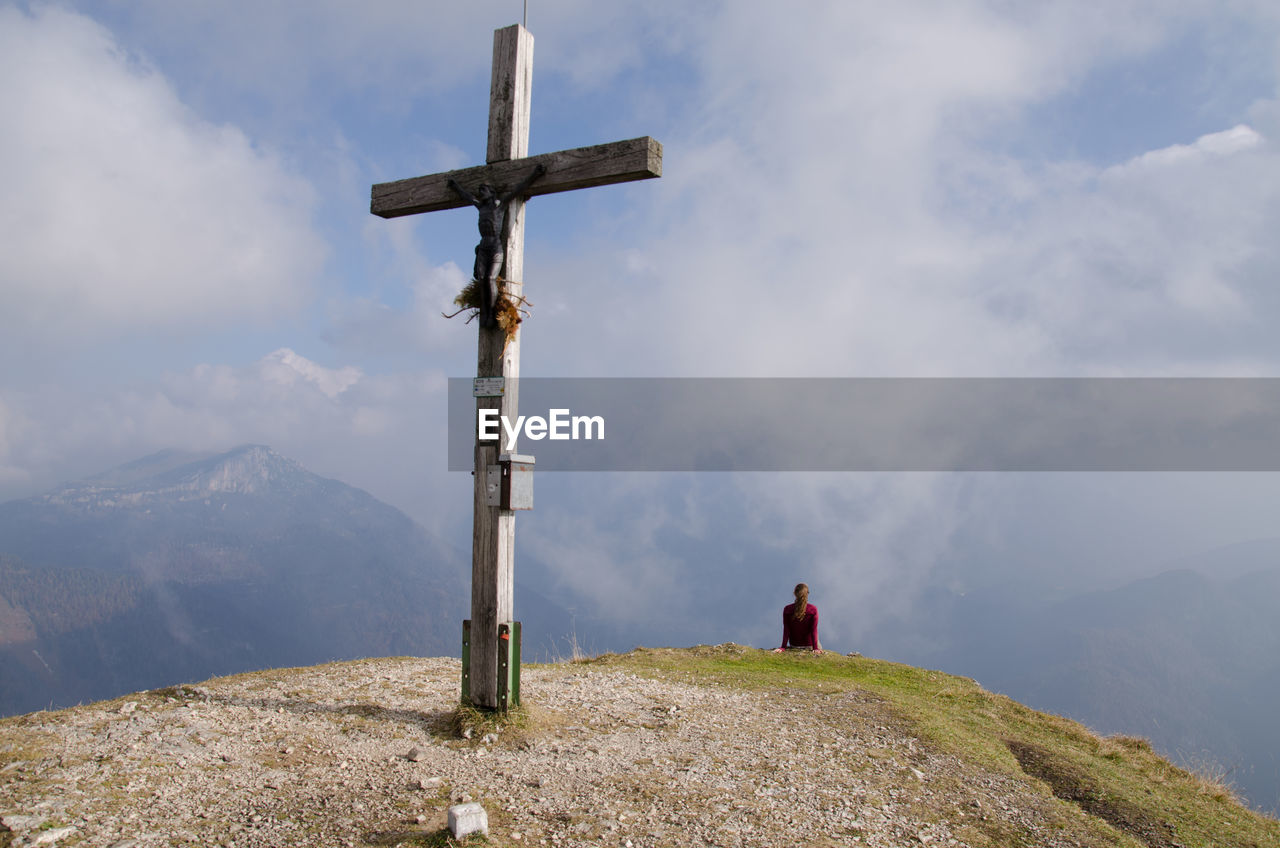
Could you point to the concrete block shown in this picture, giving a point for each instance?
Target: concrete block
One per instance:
(468, 818)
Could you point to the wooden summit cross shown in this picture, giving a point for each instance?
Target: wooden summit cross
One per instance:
(508, 164)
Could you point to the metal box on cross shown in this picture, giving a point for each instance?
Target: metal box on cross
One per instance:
(510, 484)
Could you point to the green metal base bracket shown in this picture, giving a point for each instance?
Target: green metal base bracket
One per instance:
(466, 661)
(509, 636)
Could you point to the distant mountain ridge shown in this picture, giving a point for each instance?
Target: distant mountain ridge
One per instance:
(178, 566)
(245, 469)
(173, 477)
(146, 467)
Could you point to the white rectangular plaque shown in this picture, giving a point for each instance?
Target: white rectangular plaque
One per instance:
(489, 387)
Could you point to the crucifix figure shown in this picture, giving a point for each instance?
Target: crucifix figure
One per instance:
(507, 164)
(493, 235)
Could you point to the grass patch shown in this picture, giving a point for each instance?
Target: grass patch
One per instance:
(1070, 782)
(178, 693)
(1214, 779)
(468, 722)
(1143, 798)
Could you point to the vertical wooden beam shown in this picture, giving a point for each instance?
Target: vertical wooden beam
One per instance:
(493, 538)
(509, 90)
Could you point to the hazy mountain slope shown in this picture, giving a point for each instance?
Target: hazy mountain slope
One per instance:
(1188, 661)
(177, 567)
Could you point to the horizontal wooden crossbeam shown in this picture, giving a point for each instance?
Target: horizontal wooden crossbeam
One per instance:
(602, 164)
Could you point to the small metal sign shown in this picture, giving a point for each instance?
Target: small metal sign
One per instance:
(489, 387)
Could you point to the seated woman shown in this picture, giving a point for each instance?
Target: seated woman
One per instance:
(800, 623)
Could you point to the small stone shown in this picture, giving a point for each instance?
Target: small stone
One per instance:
(517, 835)
(468, 818)
(18, 823)
(49, 837)
(490, 738)
(128, 707)
(420, 819)
(415, 755)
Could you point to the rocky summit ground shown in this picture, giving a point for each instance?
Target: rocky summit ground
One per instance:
(369, 753)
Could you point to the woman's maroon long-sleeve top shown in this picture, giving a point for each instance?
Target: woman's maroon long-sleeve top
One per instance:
(801, 633)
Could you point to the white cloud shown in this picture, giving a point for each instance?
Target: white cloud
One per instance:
(286, 368)
(839, 199)
(394, 51)
(1161, 263)
(611, 557)
(805, 204)
(122, 208)
(1225, 143)
(866, 542)
(680, 554)
(370, 324)
(842, 203)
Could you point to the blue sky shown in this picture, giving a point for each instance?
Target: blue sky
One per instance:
(850, 189)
